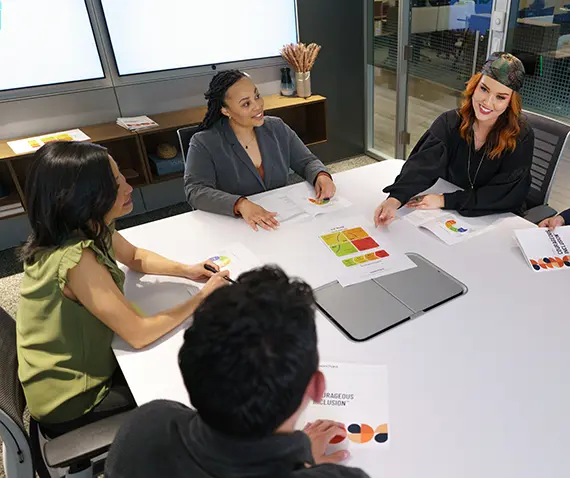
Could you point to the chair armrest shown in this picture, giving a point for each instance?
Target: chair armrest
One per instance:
(84, 443)
(539, 213)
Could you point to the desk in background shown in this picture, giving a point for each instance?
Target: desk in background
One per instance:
(477, 387)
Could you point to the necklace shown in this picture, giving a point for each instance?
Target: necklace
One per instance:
(246, 146)
(472, 181)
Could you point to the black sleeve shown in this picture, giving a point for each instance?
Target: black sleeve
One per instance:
(330, 470)
(566, 216)
(426, 164)
(508, 189)
(144, 446)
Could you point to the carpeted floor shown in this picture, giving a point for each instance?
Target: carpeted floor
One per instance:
(11, 269)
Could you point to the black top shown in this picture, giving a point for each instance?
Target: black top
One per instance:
(168, 439)
(501, 185)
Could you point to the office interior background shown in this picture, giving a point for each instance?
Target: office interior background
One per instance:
(380, 98)
(450, 41)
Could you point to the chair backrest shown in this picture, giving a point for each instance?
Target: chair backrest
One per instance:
(18, 457)
(550, 138)
(12, 401)
(184, 135)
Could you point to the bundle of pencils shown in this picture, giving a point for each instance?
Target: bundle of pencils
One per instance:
(300, 56)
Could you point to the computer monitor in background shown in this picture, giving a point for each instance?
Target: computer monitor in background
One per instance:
(46, 42)
(157, 35)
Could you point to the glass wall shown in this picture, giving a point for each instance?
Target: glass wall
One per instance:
(539, 34)
(449, 41)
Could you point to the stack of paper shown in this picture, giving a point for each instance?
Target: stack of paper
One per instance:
(136, 123)
(545, 250)
(29, 145)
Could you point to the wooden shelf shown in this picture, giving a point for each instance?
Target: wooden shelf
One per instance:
(306, 116)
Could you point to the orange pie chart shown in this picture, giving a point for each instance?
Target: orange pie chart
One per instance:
(360, 433)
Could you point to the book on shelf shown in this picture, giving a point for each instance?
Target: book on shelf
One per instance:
(136, 123)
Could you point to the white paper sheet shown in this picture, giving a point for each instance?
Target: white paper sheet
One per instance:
(545, 250)
(359, 252)
(420, 217)
(357, 396)
(449, 226)
(29, 145)
(282, 204)
(311, 206)
(299, 203)
(236, 258)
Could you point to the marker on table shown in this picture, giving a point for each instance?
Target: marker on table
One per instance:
(209, 268)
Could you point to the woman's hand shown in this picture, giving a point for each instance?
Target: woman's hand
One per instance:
(324, 187)
(552, 222)
(429, 201)
(255, 215)
(198, 273)
(386, 212)
(215, 282)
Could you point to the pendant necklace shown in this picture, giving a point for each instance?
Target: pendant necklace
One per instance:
(472, 181)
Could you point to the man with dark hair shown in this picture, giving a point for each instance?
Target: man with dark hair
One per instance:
(250, 365)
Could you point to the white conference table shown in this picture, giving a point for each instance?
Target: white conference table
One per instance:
(478, 387)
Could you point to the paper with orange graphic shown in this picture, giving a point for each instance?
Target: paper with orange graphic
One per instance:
(545, 250)
(356, 395)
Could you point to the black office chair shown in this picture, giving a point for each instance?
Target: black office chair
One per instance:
(79, 453)
(550, 138)
(184, 136)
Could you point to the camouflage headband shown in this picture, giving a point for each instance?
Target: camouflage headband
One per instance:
(506, 69)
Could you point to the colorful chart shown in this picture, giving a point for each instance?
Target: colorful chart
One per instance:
(349, 241)
(360, 433)
(373, 256)
(220, 261)
(451, 226)
(322, 202)
(550, 263)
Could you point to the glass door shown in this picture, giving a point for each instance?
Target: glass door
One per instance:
(381, 75)
(423, 53)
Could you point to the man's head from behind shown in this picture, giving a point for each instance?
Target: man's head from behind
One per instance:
(250, 360)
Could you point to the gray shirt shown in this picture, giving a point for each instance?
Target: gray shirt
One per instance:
(167, 439)
(219, 171)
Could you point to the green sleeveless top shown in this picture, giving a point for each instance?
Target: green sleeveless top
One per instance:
(65, 361)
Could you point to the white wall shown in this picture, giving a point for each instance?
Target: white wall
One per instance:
(33, 116)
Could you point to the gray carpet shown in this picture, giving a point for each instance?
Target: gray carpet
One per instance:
(11, 269)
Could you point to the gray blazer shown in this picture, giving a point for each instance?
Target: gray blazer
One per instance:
(219, 171)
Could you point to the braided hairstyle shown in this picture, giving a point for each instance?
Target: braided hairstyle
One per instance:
(216, 95)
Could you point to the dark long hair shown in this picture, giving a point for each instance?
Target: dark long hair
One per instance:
(216, 95)
(69, 190)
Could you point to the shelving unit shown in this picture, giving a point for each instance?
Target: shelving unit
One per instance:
(307, 117)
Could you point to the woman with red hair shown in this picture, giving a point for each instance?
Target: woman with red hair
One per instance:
(485, 147)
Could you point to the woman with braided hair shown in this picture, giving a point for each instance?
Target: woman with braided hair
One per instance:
(238, 152)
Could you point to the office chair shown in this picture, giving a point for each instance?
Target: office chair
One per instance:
(184, 136)
(77, 454)
(550, 137)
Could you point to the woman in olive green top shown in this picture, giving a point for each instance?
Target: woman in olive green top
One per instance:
(72, 299)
